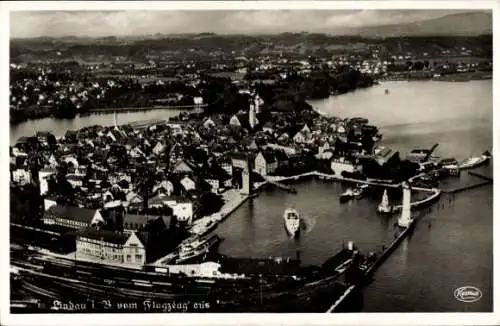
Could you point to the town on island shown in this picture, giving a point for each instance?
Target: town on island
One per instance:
(124, 217)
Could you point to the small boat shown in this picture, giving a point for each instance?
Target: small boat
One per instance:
(359, 191)
(292, 221)
(387, 91)
(197, 247)
(449, 163)
(473, 162)
(451, 166)
(211, 225)
(384, 207)
(346, 196)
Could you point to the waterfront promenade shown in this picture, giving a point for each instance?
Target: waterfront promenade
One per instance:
(330, 177)
(233, 199)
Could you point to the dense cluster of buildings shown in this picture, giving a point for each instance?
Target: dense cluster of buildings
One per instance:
(45, 89)
(48, 88)
(121, 188)
(65, 87)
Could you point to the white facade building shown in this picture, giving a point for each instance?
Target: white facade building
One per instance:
(109, 247)
(43, 175)
(265, 164)
(188, 184)
(182, 208)
(341, 165)
(21, 176)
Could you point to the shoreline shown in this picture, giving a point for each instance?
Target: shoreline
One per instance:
(452, 78)
(147, 108)
(50, 113)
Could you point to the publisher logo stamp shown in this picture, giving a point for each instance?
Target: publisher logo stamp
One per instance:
(468, 294)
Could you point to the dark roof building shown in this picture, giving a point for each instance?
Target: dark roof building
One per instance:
(22, 140)
(77, 213)
(139, 222)
(182, 167)
(114, 237)
(269, 157)
(72, 216)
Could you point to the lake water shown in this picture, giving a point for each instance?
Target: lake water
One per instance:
(452, 245)
(59, 126)
(458, 116)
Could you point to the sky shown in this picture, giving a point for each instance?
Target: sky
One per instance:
(25, 24)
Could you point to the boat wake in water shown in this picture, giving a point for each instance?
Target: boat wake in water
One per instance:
(307, 224)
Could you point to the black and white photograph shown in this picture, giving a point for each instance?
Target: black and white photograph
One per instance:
(247, 158)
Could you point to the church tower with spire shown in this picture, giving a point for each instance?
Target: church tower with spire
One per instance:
(252, 116)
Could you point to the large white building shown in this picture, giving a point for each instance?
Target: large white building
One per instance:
(341, 165)
(43, 176)
(265, 163)
(207, 269)
(110, 247)
(21, 176)
(240, 160)
(182, 208)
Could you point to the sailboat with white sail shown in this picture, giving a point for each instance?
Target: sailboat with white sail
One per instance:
(384, 207)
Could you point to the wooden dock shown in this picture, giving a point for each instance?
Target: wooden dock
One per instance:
(283, 186)
(433, 148)
(468, 187)
(487, 181)
(480, 176)
(428, 200)
(371, 270)
(368, 273)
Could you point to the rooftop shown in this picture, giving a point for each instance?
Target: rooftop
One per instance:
(114, 237)
(73, 213)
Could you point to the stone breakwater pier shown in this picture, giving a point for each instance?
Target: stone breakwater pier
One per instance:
(370, 270)
(233, 199)
(342, 300)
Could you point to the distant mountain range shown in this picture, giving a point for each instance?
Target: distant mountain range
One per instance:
(463, 24)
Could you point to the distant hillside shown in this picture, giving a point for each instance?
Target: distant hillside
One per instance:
(470, 30)
(463, 24)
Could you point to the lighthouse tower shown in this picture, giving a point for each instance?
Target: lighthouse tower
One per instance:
(247, 180)
(405, 220)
